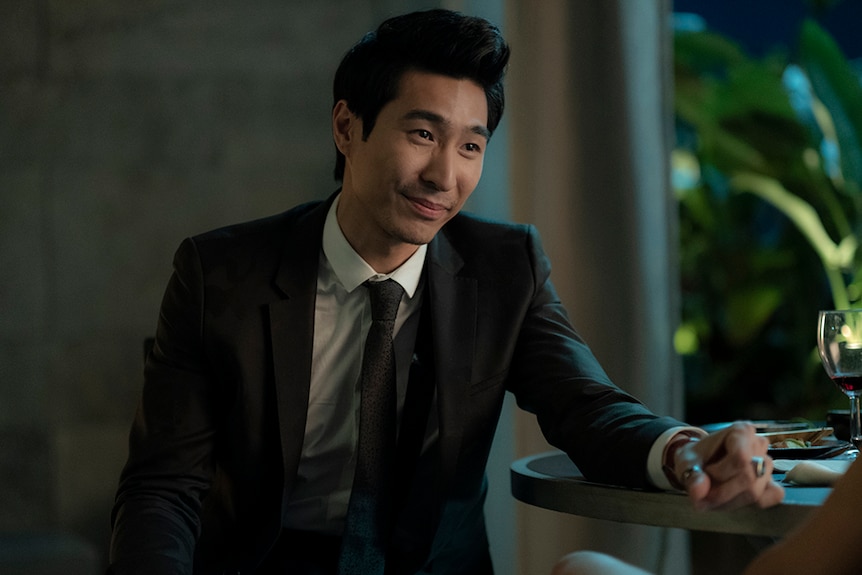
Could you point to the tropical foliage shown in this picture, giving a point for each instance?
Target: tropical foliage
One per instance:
(768, 173)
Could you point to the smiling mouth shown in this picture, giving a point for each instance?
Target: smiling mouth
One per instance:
(427, 207)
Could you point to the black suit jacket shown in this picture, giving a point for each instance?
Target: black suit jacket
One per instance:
(216, 441)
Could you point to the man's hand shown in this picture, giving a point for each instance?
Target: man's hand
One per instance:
(728, 469)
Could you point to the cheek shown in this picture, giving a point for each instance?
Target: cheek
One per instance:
(398, 167)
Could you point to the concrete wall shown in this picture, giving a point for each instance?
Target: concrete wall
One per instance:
(125, 126)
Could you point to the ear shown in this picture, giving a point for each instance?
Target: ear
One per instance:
(346, 126)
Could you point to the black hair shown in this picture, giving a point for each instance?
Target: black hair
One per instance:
(436, 41)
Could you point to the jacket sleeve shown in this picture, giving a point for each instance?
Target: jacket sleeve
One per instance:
(606, 432)
(171, 445)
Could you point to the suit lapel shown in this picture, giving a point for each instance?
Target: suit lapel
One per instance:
(292, 332)
(453, 330)
(452, 306)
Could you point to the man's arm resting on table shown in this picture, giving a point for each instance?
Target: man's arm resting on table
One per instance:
(718, 470)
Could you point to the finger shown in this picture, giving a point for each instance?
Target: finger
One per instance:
(698, 487)
(745, 488)
(713, 445)
(772, 494)
(739, 470)
(760, 466)
(694, 480)
(689, 461)
(733, 456)
(740, 467)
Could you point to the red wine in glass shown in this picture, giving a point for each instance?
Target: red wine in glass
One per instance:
(839, 341)
(848, 383)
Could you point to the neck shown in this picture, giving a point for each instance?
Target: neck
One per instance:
(384, 254)
(385, 261)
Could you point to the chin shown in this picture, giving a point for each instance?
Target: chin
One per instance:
(416, 237)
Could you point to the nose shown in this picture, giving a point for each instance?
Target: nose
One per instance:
(440, 171)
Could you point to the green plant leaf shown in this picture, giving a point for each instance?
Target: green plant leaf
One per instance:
(739, 108)
(839, 88)
(838, 256)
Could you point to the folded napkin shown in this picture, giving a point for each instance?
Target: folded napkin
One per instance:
(808, 472)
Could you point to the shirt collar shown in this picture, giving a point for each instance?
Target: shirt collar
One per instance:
(352, 271)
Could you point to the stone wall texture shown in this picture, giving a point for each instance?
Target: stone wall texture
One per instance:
(124, 127)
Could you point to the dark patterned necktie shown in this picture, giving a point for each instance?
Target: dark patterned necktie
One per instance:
(367, 527)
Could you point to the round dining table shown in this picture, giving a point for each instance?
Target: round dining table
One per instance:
(550, 480)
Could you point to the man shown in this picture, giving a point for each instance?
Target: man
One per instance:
(252, 423)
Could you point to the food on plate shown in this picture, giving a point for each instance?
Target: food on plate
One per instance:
(798, 439)
(790, 443)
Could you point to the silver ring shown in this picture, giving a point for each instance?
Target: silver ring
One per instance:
(759, 466)
(686, 475)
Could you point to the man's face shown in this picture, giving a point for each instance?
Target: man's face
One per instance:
(420, 163)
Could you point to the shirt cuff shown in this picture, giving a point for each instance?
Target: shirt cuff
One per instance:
(655, 473)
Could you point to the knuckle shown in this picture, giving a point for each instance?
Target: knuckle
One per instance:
(743, 426)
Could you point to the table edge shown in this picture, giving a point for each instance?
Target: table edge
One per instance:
(657, 508)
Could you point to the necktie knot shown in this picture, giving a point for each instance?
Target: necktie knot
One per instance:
(385, 297)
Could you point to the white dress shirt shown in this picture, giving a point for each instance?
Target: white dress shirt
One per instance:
(342, 317)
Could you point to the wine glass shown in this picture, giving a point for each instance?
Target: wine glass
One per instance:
(839, 340)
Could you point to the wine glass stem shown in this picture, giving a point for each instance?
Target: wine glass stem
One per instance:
(855, 427)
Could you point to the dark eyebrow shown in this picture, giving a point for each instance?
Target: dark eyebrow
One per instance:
(434, 118)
